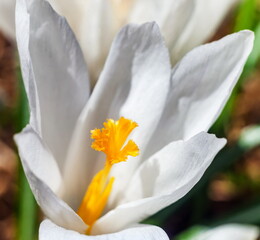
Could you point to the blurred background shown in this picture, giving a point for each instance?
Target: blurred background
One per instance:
(229, 192)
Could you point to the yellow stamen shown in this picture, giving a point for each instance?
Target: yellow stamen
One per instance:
(110, 140)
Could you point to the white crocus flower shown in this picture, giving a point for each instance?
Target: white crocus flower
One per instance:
(230, 232)
(174, 109)
(184, 23)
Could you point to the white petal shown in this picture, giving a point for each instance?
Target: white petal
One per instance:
(63, 8)
(230, 231)
(203, 22)
(161, 180)
(54, 73)
(7, 19)
(134, 84)
(171, 16)
(173, 166)
(94, 24)
(98, 18)
(38, 158)
(43, 176)
(184, 23)
(201, 84)
(49, 231)
(22, 37)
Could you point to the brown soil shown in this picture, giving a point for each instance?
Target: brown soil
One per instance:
(8, 160)
(8, 189)
(7, 73)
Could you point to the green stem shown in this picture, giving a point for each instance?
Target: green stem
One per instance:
(27, 208)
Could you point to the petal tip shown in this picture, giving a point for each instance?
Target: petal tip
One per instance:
(248, 36)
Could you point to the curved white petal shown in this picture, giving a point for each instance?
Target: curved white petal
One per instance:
(201, 84)
(184, 23)
(133, 84)
(54, 73)
(203, 22)
(22, 37)
(96, 34)
(38, 158)
(161, 180)
(50, 231)
(7, 19)
(171, 16)
(230, 231)
(63, 8)
(95, 25)
(43, 176)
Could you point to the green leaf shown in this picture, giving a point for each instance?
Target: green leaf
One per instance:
(191, 233)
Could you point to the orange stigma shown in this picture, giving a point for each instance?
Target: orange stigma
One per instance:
(110, 140)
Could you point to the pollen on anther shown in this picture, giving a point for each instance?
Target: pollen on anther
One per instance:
(111, 140)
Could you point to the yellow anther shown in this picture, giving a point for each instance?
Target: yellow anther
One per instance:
(110, 140)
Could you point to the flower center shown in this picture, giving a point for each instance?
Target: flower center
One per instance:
(110, 140)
